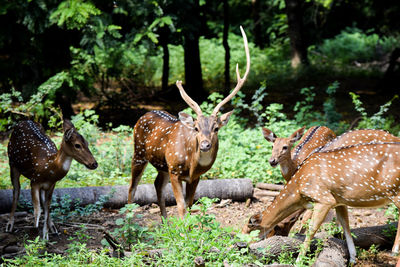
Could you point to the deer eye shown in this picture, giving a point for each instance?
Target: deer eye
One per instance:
(196, 129)
(78, 146)
(216, 129)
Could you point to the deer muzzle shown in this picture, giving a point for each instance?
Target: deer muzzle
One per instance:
(92, 166)
(273, 162)
(205, 146)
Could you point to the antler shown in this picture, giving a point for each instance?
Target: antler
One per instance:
(240, 81)
(188, 100)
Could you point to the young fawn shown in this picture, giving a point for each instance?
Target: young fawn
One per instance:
(180, 149)
(32, 154)
(358, 175)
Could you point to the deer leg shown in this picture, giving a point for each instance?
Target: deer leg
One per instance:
(190, 191)
(35, 192)
(14, 174)
(137, 171)
(318, 216)
(177, 189)
(396, 246)
(43, 203)
(46, 207)
(307, 215)
(160, 183)
(343, 217)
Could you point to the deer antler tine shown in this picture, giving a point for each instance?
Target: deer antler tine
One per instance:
(240, 81)
(237, 72)
(188, 100)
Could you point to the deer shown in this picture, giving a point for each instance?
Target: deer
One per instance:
(34, 155)
(363, 175)
(289, 159)
(181, 149)
(317, 138)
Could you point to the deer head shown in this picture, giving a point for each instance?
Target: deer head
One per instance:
(207, 127)
(282, 147)
(76, 147)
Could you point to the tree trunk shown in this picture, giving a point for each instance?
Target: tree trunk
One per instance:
(226, 46)
(193, 75)
(191, 28)
(165, 71)
(256, 22)
(294, 13)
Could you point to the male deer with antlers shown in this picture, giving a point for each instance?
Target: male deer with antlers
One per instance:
(32, 154)
(359, 175)
(180, 149)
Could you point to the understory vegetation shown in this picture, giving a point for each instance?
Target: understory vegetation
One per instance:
(243, 151)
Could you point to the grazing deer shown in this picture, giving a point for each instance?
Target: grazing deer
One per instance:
(359, 175)
(32, 154)
(180, 149)
(289, 160)
(317, 138)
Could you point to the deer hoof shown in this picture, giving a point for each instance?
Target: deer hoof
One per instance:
(9, 227)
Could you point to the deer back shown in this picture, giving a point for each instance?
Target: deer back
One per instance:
(30, 150)
(361, 175)
(315, 137)
(360, 136)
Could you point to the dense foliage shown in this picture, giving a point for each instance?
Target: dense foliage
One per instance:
(243, 152)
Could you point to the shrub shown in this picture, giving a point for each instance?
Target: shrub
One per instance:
(354, 45)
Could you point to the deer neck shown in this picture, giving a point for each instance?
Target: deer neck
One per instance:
(62, 161)
(288, 168)
(201, 161)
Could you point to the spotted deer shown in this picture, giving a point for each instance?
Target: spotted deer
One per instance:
(180, 149)
(358, 175)
(34, 155)
(289, 159)
(317, 138)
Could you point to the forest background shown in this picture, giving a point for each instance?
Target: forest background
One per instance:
(105, 63)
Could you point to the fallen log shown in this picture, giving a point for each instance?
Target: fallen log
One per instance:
(259, 193)
(334, 252)
(235, 189)
(273, 187)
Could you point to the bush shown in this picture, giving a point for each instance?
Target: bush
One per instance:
(354, 45)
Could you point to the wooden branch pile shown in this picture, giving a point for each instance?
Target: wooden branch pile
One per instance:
(266, 192)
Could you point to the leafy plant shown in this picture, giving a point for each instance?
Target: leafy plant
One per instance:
(129, 230)
(65, 209)
(197, 235)
(377, 120)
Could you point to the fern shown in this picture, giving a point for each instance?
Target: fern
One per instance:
(73, 14)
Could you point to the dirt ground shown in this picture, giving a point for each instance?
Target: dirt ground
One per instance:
(228, 213)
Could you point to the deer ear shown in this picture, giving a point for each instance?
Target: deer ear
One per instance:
(224, 119)
(67, 124)
(297, 135)
(68, 129)
(269, 135)
(186, 119)
(68, 134)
